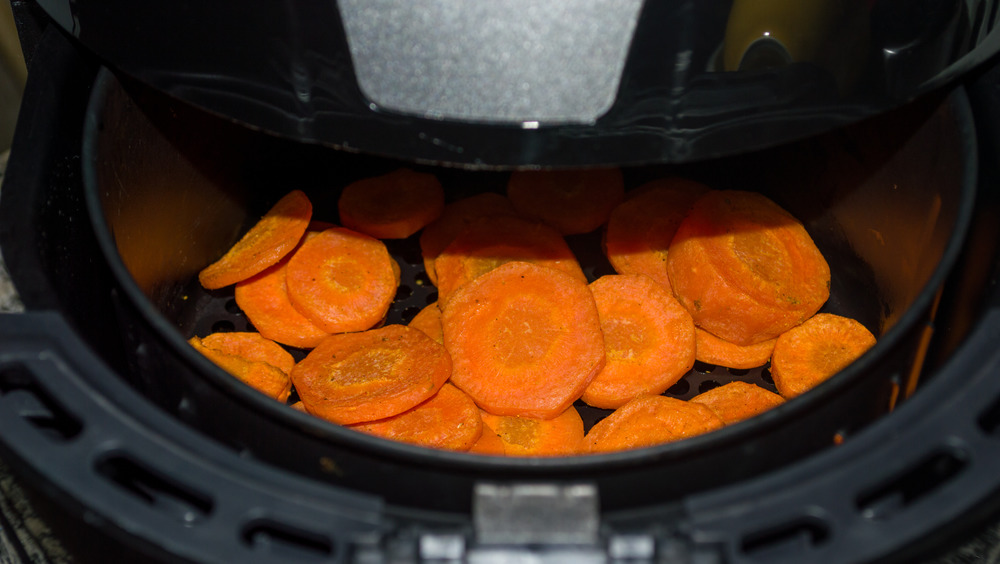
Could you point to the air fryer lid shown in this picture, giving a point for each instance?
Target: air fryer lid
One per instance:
(520, 82)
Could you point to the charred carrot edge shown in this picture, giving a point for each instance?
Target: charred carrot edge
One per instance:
(648, 340)
(428, 320)
(361, 377)
(524, 339)
(251, 346)
(811, 353)
(737, 401)
(456, 218)
(274, 236)
(648, 421)
(261, 376)
(744, 268)
(489, 443)
(391, 206)
(572, 201)
(528, 436)
(448, 420)
(713, 350)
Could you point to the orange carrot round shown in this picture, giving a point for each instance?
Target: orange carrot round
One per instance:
(251, 346)
(647, 421)
(528, 436)
(448, 420)
(713, 350)
(809, 354)
(264, 300)
(261, 376)
(744, 268)
(572, 201)
(456, 218)
(525, 340)
(648, 340)
(392, 206)
(736, 401)
(489, 443)
(270, 239)
(429, 321)
(362, 377)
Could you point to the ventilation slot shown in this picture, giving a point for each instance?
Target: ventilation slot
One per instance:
(803, 533)
(19, 390)
(884, 502)
(280, 540)
(184, 504)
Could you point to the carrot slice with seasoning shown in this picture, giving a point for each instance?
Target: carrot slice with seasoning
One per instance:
(362, 377)
(273, 237)
(647, 421)
(428, 320)
(392, 206)
(572, 201)
(251, 346)
(456, 218)
(811, 353)
(744, 268)
(528, 436)
(489, 443)
(648, 340)
(713, 350)
(524, 339)
(261, 376)
(448, 420)
(341, 280)
(737, 401)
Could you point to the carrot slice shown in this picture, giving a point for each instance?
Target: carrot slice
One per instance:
(261, 376)
(273, 237)
(648, 340)
(744, 268)
(341, 280)
(647, 421)
(392, 206)
(448, 420)
(456, 218)
(528, 436)
(429, 321)
(264, 300)
(572, 201)
(640, 229)
(806, 355)
(361, 377)
(736, 401)
(251, 346)
(525, 340)
(720, 352)
(489, 442)
(497, 240)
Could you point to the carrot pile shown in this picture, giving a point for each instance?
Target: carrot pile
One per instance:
(519, 336)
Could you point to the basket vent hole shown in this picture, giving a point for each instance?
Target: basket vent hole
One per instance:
(765, 374)
(18, 389)
(223, 326)
(431, 298)
(791, 537)
(682, 387)
(185, 504)
(232, 307)
(903, 490)
(738, 371)
(703, 367)
(403, 292)
(284, 541)
(409, 313)
(707, 385)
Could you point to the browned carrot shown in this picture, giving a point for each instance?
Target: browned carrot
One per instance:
(251, 346)
(744, 268)
(361, 377)
(264, 300)
(525, 340)
(274, 236)
(528, 436)
(261, 376)
(809, 354)
(647, 421)
(736, 401)
(429, 321)
(713, 350)
(648, 340)
(448, 420)
(456, 218)
(392, 206)
(489, 443)
(572, 201)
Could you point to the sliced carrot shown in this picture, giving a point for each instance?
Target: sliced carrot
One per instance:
(392, 206)
(448, 420)
(736, 401)
(270, 239)
(261, 376)
(809, 354)
(429, 321)
(528, 436)
(640, 229)
(713, 350)
(455, 219)
(489, 443)
(525, 340)
(251, 346)
(648, 340)
(744, 268)
(264, 300)
(572, 201)
(647, 421)
(361, 377)
(341, 280)
(497, 240)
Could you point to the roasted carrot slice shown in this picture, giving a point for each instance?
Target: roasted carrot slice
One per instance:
(640, 229)
(392, 206)
(744, 268)
(572, 201)
(448, 420)
(489, 442)
(736, 401)
(806, 355)
(274, 236)
(456, 218)
(525, 340)
(261, 376)
(647, 421)
(496, 240)
(528, 436)
(713, 350)
(264, 300)
(341, 280)
(361, 377)
(429, 321)
(251, 346)
(648, 340)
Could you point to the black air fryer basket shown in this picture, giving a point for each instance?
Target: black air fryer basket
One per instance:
(135, 446)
